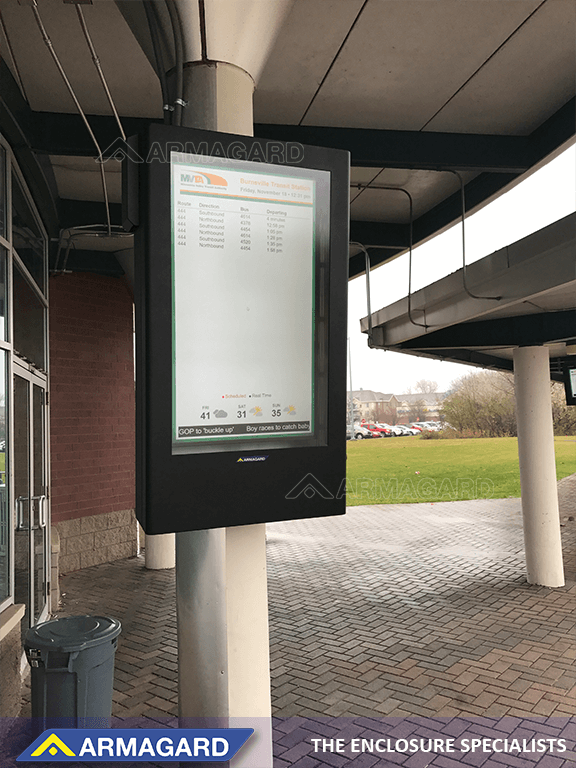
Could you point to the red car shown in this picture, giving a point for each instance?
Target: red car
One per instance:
(374, 430)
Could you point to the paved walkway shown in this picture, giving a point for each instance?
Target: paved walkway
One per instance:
(395, 610)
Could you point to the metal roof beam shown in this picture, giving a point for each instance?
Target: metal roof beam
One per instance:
(100, 262)
(518, 330)
(78, 213)
(373, 148)
(64, 134)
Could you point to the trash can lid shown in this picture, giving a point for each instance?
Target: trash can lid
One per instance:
(72, 633)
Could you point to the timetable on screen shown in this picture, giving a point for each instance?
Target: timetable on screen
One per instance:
(243, 271)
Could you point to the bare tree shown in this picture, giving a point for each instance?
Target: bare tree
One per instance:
(426, 387)
(384, 412)
(482, 402)
(417, 411)
(564, 416)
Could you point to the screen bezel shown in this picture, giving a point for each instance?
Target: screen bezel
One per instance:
(240, 486)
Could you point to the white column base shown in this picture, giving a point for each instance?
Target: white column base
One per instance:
(160, 551)
(223, 645)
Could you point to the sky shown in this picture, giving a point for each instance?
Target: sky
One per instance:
(547, 195)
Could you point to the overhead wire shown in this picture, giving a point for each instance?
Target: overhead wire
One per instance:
(50, 46)
(369, 185)
(98, 66)
(68, 236)
(153, 25)
(410, 249)
(463, 203)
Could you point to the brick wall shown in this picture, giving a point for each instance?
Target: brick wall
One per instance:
(91, 400)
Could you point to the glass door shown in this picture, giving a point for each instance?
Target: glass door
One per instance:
(31, 541)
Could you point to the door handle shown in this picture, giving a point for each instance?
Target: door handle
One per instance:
(42, 510)
(19, 504)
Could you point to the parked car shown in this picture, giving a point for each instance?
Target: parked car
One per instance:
(405, 430)
(373, 429)
(384, 429)
(360, 432)
(387, 430)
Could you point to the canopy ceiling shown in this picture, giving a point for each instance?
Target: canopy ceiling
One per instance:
(415, 90)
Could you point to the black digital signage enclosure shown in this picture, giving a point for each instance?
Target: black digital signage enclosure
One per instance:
(241, 254)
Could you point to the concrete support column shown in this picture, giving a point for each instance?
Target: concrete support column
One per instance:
(221, 590)
(538, 467)
(159, 551)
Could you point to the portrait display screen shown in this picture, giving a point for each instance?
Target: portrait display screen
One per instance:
(241, 266)
(246, 247)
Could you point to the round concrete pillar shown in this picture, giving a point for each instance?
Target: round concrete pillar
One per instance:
(160, 551)
(537, 467)
(221, 590)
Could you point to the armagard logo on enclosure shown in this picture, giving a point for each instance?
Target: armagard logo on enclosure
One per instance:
(137, 745)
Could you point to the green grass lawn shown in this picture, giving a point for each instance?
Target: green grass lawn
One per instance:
(405, 470)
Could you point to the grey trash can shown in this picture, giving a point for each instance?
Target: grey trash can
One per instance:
(72, 660)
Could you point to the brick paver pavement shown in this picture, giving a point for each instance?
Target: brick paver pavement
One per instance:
(395, 610)
(402, 610)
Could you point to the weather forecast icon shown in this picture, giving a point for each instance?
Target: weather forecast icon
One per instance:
(290, 409)
(257, 411)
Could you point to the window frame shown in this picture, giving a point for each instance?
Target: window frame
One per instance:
(13, 361)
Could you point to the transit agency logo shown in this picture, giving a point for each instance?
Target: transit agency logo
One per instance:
(89, 745)
(203, 179)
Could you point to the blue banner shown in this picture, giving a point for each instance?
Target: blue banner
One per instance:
(91, 745)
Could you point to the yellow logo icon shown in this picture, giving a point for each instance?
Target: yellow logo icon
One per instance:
(55, 744)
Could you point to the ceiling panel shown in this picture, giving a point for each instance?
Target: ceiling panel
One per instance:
(310, 37)
(364, 175)
(132, 81)
(79, 178)
(404, 60)
(427, 188)
(555, 300)
(531, 77)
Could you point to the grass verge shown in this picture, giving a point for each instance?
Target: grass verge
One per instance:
(408, 470)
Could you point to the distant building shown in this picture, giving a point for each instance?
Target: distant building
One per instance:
(374, 406)
(419, 406)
